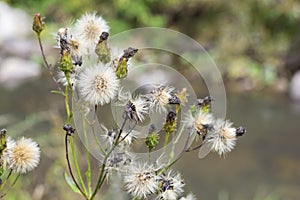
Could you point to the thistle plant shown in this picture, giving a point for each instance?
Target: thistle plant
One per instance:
(90, 75)
(16, 158)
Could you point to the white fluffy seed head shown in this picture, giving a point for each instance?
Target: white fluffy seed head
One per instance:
(140, 180)
(25, 155)
(198, 121)
(98, 85)
(171, 186)
(88, 30)
(223, 137)
(159, 97)
(140, 106)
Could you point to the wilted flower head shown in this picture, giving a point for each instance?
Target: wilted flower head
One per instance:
(98, 84)
(137, 108)
(119, 161)
(140, 180)
(68, 42)
(199, 121)
(25, 155)
(223, 138)
(160, 97)
(170, 186)
(89, 28)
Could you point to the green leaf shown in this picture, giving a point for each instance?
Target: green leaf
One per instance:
(57, 92)
(71, 183)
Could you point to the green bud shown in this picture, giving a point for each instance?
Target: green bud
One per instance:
(102, 49)
(38, 23)
(152, 140)
(205, 104)
(122, 70)
(66, 64)
(170, 124)
(2, 140)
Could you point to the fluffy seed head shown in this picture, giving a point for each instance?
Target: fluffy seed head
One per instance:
(222, 138)
(89, 28)
(160, 97)
(170, 186)
(25, 156)
(140, 180)
(199, 121)
(137, 108)
(98, 85)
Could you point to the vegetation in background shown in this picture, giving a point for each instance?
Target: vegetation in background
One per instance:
(249, 40)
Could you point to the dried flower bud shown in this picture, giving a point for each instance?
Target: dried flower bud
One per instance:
(174, 100)
(103, 36)
(38, 23)
(69, 129)
(240, 131)
(129, 53)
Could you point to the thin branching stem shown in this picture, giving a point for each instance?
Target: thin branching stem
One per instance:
(128, 133)
(48, 66)
(195, 148)
(121, 129)
(70, 168)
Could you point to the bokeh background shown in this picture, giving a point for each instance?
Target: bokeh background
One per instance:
(255, 44)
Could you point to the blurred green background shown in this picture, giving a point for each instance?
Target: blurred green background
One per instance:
(255, 44)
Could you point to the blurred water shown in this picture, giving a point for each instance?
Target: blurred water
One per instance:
(265, 161)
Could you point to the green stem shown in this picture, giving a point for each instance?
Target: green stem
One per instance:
(14, 182)
(48, 66)
(167, 139)
(101, 178)
(69, 115)
(75, 162)
(69, 167)
(88, 172)
(5, 181)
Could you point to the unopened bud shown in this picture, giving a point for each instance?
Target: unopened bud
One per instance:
(66, 64)
(38, 23)
(152, 141)
(122, 69)
(170, 124)
(2, 140)
(205, 104)
(102, 49)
